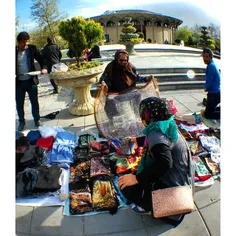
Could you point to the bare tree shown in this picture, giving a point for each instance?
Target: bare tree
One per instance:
(46, 14)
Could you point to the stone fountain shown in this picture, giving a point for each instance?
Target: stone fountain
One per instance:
(128, 37)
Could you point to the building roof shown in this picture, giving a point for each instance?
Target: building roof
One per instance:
(134, 13)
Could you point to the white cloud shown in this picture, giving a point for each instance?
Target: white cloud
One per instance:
(211, 7)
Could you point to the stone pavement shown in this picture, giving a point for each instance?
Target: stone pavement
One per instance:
(205, 220)
(32, 221)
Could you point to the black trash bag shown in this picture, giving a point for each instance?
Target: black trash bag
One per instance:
(51, 116)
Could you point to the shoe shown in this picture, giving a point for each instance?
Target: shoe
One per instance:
(140, 210)
(55, 91)
(204, 102)
(21, 126)
(38, 123)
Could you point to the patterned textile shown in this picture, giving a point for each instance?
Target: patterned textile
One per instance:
(103, 195)
(195, 147)
(154, 109)
(80, 172)
(117, 115)
(155, 114)
(100, 166)
(102, 147)
(80, 201)
(201, 172)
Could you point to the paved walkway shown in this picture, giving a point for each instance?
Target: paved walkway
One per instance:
(205, 220)
(31, 221)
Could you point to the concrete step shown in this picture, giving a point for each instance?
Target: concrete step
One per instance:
(179, 85)
(173, 77)
(167, 86)
(169, 70)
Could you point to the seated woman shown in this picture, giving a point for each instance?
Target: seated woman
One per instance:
(120, 74)
(164, 164)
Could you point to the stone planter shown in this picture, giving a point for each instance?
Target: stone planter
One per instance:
(81, 82)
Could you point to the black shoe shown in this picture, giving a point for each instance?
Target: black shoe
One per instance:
(21, 126)
(55, 91)
(38, 123)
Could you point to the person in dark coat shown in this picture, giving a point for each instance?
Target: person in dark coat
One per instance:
(165, 160)
(94, 53)
(120, 74)
(52, 56)
(25, 55)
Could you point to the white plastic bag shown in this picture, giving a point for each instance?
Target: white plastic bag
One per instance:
(60, 67)
(47, 131)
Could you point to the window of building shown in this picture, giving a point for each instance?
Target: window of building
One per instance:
(147, 23)
(111, 24)
(157, 23)
(120, 23)
(136, 22)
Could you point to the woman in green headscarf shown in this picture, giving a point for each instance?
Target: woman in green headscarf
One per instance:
(165, 162)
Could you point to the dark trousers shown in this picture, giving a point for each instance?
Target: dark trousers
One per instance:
(54, 85)
(139, 196)
(31, 88)
(142, 197)
(213, 99)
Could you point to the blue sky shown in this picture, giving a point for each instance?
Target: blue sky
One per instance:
(89, 8)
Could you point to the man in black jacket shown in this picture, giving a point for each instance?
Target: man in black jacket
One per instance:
(25, 55)
(52, 56)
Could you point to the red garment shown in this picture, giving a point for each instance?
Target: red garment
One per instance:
(46, 143)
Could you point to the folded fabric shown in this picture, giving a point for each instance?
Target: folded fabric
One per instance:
(48, 179)
(103, 147)
(80, 201)
(80, 172)
(201, 170)
(25, 182)
(46, 143)
(33, 136)
(100, 166)
(104, 196)
(210, 143)
(195, 147)
(32, 157)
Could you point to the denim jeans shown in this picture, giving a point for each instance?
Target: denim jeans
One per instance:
(213, 99)
(31, 88)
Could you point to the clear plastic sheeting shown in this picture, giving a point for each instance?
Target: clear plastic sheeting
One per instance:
(117, 114)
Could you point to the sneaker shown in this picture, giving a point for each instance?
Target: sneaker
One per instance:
(140, 210)
(38, 123)
(21, 126)
(204, 102)
(55, 91)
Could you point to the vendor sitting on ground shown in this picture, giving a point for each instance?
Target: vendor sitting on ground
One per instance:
(212, 86)
(165, 163)
(120, 74)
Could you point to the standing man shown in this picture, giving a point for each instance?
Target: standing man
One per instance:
(212, 85)
(25, 55)
(52, 56)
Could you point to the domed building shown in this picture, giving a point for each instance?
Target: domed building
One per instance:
(156, 28)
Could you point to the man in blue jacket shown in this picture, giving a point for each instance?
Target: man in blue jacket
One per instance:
(212, 85)
(25, 55)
